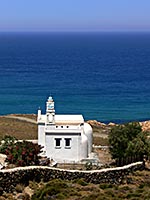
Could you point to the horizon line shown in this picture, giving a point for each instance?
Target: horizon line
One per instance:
(74, 31)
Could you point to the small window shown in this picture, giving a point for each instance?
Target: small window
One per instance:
(61, 126)
(67, 126)
(56, 126)
(68, 143)
(57, 142)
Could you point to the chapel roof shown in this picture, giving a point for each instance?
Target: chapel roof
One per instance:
(64, 119)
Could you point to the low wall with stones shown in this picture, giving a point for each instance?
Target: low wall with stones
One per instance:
(9, 178)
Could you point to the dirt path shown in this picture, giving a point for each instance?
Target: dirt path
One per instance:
(21, 118)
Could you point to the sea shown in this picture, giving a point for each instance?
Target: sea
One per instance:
(103, 75)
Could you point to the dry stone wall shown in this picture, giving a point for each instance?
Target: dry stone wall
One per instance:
(9, 178)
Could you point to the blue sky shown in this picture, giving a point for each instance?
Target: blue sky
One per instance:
(75, 15)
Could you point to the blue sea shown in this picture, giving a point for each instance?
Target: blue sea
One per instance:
(104, 76)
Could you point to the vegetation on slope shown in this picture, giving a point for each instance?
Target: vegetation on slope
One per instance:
(79, 189)
(134, 187)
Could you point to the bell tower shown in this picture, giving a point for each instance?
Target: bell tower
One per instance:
(50, 111)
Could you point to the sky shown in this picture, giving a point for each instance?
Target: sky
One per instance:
(74, 15)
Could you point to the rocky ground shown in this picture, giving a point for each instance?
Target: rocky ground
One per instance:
(104, 129)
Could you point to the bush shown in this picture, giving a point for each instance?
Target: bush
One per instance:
(20, 153)
(81, 182)
(88, 166)
(105, 185)
(52, 189)
(129, 143)
(19, 188)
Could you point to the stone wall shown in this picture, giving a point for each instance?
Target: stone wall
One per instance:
(9, 178)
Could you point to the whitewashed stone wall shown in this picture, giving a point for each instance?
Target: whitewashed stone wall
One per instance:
(11, 177)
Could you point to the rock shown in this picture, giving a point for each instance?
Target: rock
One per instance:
(96, 123)
(2, 160)
(20, 196)
(145, 125)
(23, 196)
(111, 124)
(1, 191)
(28, 191)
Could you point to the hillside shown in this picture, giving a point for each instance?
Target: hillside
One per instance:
(135, 186)
(19, 128)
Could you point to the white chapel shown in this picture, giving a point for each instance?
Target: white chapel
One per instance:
(65, 138)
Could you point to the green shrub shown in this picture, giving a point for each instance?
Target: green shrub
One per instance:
(133, 195)
(81, 182)
(92, 196)
(19, 188)
(88, 166)
(141, 185)
(61, 196)
(52, 189)
(105, 185)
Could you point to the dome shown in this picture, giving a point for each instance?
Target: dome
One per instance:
(89, 133)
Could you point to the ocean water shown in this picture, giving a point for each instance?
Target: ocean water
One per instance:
(104, 76)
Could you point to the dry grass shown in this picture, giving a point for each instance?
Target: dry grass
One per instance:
(18, 128)
(26, 130)
(100, 141)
